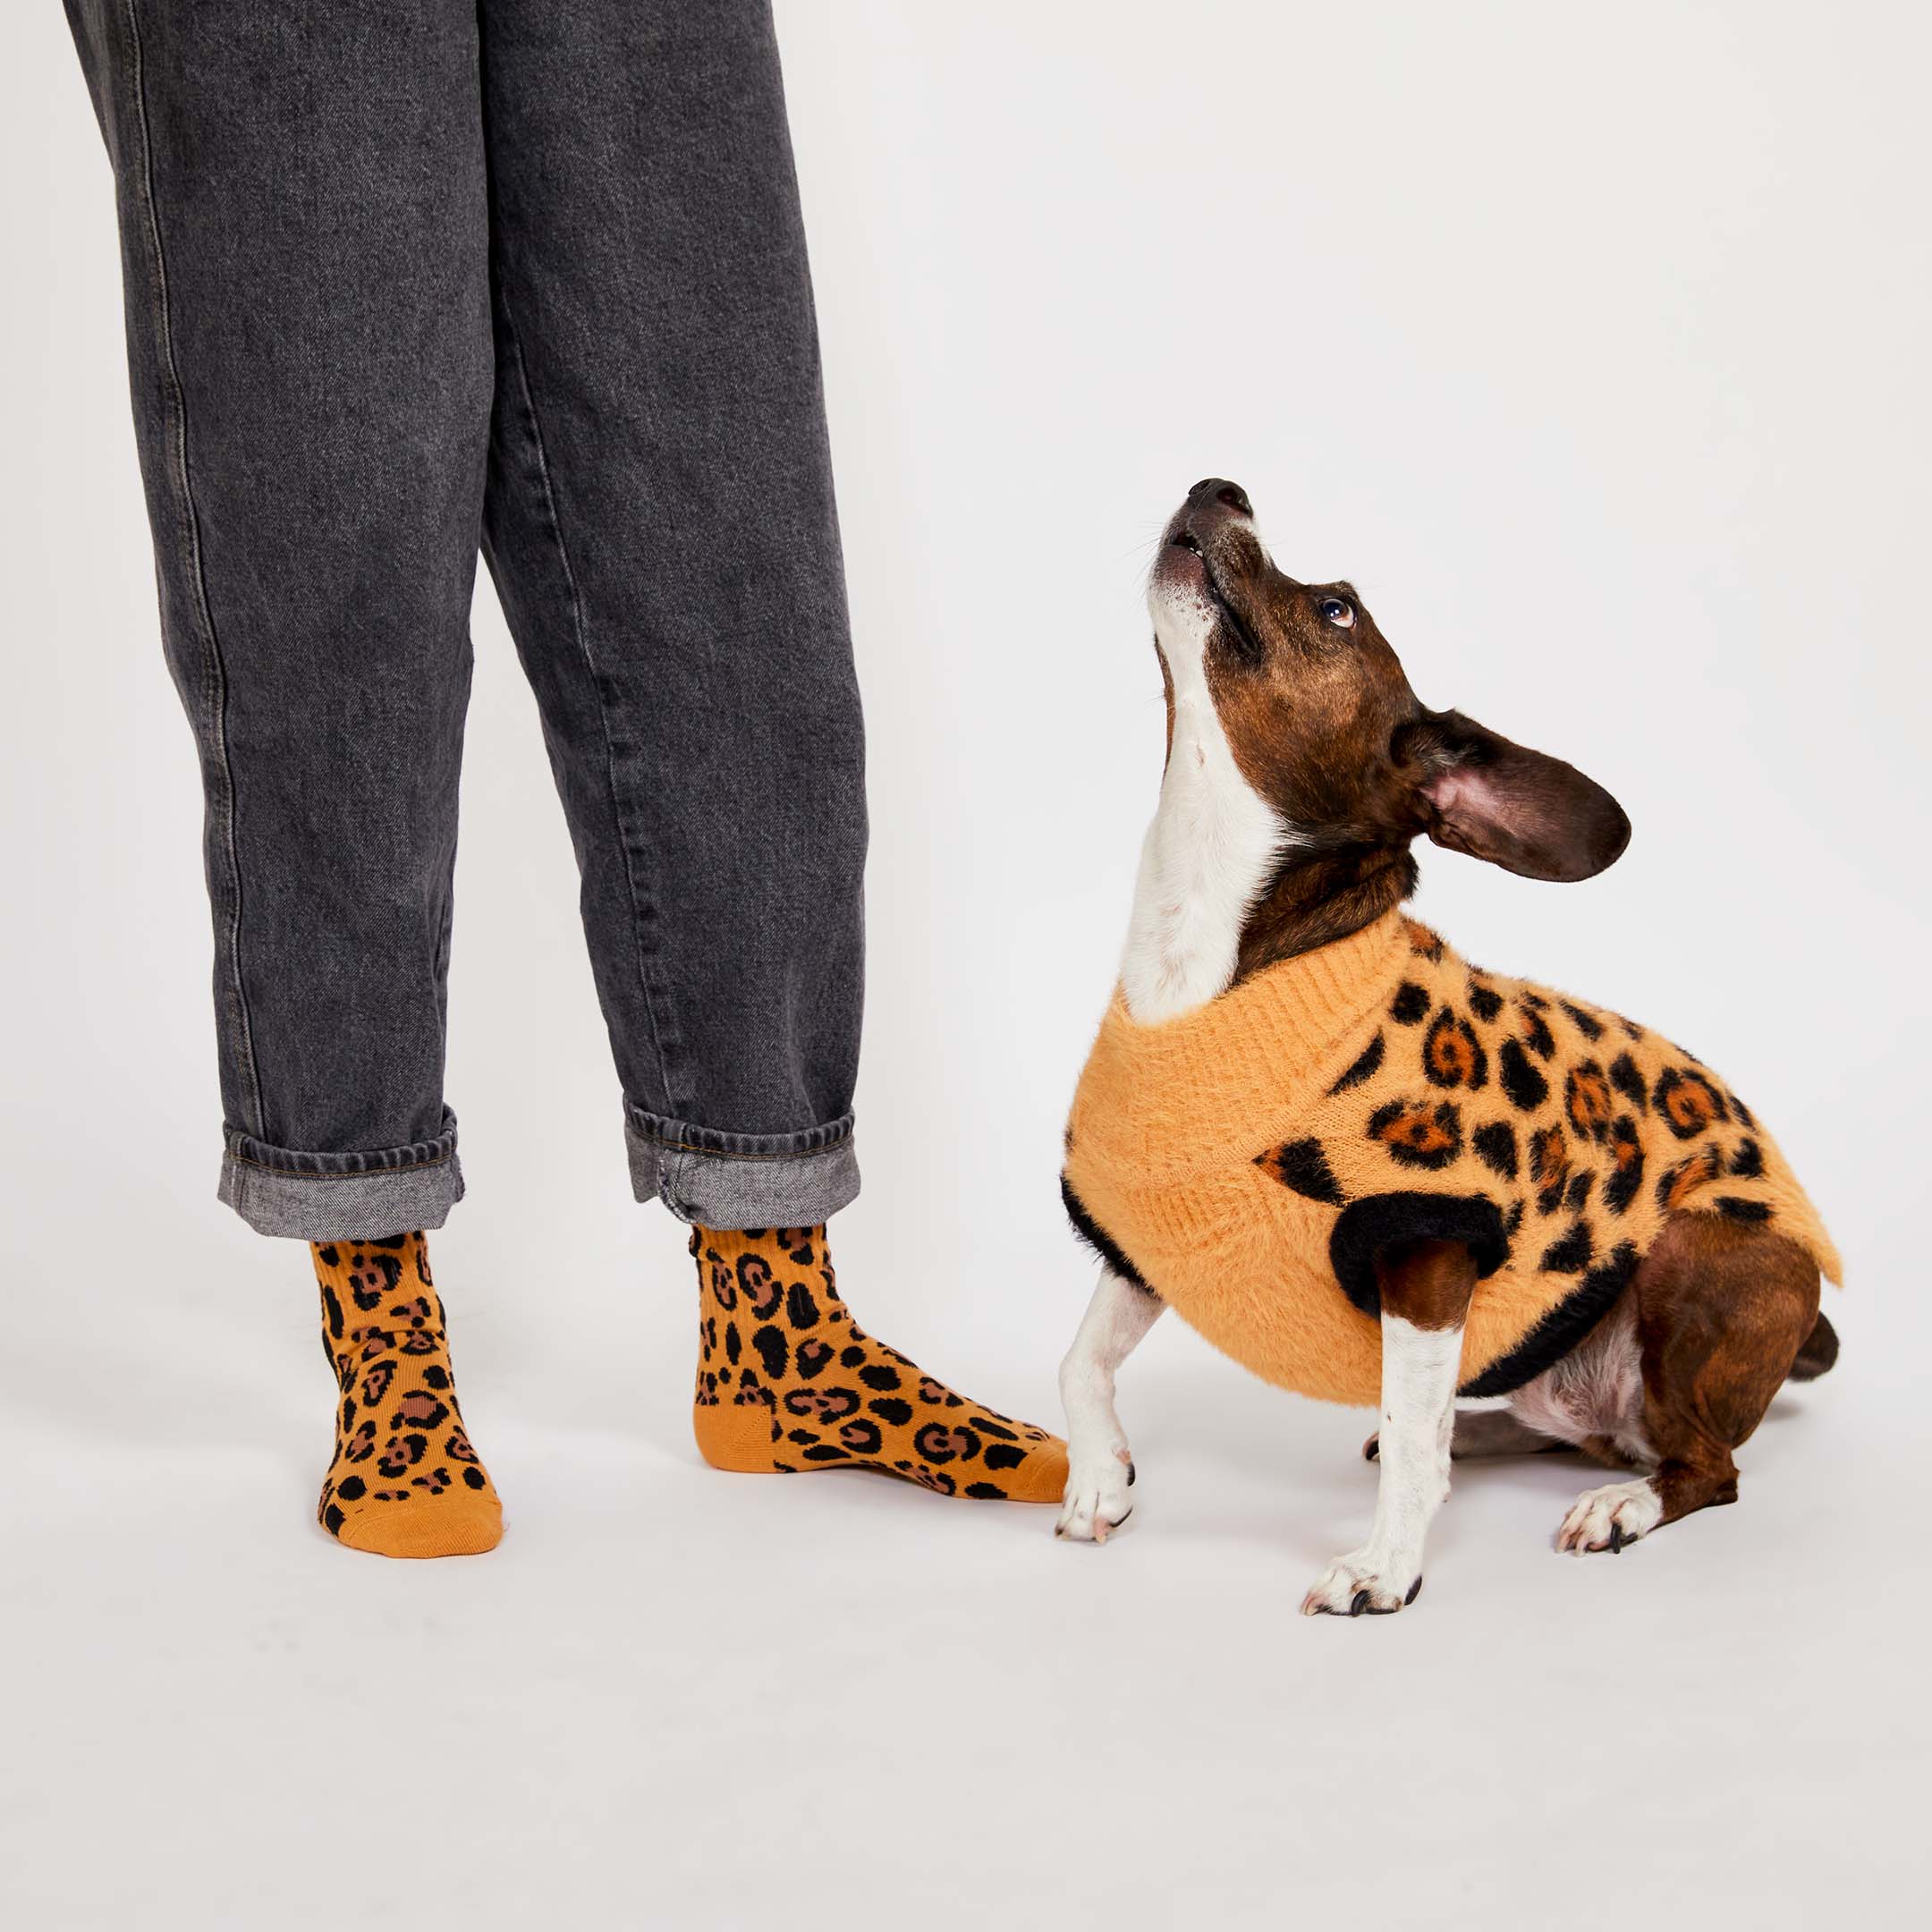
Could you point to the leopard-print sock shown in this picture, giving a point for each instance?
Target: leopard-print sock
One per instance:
(405, 1481)
(787, 1382)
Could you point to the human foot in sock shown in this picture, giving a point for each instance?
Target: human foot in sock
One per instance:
(787, 1382)
(405, 1481)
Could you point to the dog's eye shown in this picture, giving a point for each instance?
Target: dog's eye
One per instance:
(1337, 611)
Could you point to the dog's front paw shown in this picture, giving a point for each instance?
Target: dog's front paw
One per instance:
(1361, 1584)
(1095, 1502)
(1606, 1519)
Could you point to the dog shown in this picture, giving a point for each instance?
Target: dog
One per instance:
(1369, 1170)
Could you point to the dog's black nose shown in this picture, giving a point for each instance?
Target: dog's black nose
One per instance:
(1218, 489)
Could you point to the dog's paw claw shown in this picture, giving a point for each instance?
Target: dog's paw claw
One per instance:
(1094, 1503)
(1611, 1519)
(1358, 1586)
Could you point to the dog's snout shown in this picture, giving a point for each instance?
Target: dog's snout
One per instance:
(1219, 490)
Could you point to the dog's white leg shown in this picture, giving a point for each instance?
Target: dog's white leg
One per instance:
(1098, 1466)
(1419, 1379)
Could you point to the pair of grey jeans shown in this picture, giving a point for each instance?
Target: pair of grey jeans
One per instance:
(405, 279)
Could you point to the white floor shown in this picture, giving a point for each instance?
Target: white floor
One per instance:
(677, 1698)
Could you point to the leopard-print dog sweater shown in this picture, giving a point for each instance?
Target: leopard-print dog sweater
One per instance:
(1248, 1160)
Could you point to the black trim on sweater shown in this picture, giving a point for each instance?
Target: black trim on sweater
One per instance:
(1097, 1237)
(1365, 1228)
(1561, 1328)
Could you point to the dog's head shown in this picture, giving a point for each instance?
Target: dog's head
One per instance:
(1323, 726)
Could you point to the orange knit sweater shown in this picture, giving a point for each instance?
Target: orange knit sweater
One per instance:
(1248, 1159)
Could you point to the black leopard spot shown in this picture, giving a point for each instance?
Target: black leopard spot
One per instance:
(801, 1310)
(371, 1277)
(1689, 1102)
(1579, 1190)
(1675, 1185)
(1004, 1455)
(1301, 1165)
(333, 1519)
(1451, 1055)
(351, 1488)
(1495, 1147)
(1739, 1209)
(1485, 1002)
(824, 1404)
(362, 1446)
(826, 1453)
(1626, 1164)
(1742, 1112)
(1417, 1135)
(1748, 1163)
(419, 1409)
(1536, 1035)
(1526, 1088)
(986, 1426)
(879, 1376)
(938, 1443)
(1514, 1220)
(1587, 1100)
(332, 1308)
(1410, 1006)
(1572, 1254)
(892, 1409)
(1550, 1166)
(1586, 1023)
(772, 1350)
(330, 1257)
(1629, 1082)
(758, 1285)
(1362, 1067)
(474, 1477)
(986, 1492)
(436, 1378)
(862, 1437)
(400, 1452)
(810, 1358)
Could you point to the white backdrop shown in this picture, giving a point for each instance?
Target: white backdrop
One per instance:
(1592, 347)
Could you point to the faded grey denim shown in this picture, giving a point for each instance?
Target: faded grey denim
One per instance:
(405, 279)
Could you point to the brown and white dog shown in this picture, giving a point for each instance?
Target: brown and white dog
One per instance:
(1300, 767)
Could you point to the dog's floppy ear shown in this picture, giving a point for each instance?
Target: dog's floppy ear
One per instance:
(1477, 793)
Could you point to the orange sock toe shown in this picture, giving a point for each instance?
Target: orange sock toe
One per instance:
(788, 1382)
(405, 1481)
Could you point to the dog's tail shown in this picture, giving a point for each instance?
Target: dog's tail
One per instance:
(1820, 1351)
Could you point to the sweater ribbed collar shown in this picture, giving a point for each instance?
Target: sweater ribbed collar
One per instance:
(1223, 1080)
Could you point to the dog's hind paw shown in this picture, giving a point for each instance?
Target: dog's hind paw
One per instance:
(1095, 1502)
(1608, 1519)
(1358, 1585)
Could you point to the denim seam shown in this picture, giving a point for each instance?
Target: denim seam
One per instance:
(176, 406)
(337, 1174)
(684, 1147)
(581, 634)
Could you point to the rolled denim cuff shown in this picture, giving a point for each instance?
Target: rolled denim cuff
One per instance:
(342, 1197)
(737, 1181)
